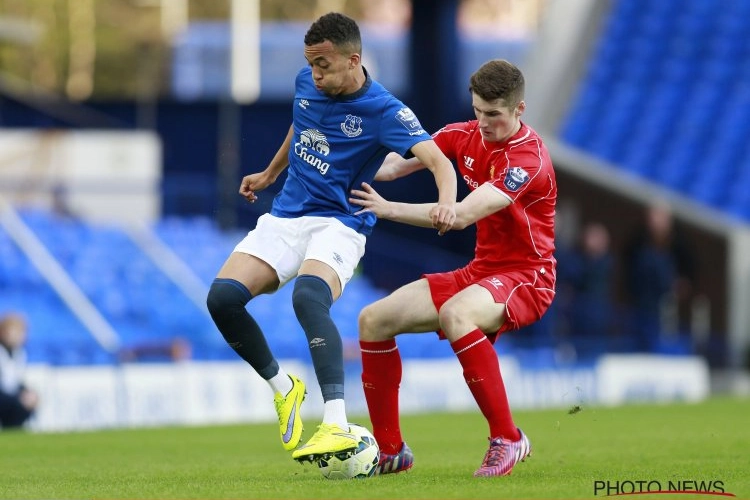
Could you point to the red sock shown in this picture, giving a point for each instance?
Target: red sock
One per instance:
(482, 374)
(381, 378)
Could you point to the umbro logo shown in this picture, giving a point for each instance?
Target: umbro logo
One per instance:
(317, 342)
(338, 258)
(304, 103)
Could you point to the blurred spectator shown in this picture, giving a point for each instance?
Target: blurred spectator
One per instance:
(60, 205)
(591, 279)
(586, 275)
(659, 268)
(17, 402)
(176, 349)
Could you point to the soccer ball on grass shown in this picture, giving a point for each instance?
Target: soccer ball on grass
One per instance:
(359, 463)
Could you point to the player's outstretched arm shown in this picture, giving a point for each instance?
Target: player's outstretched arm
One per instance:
(396, 166)
(480, 203)
(443, 215)
(260, 180)
(416, 214)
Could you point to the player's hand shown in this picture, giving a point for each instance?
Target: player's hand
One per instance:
(253, 183)
(370, 201)
(443, 216)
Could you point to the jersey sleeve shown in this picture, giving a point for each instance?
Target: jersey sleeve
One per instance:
(524, 173)
(447, 138)
(401, 129)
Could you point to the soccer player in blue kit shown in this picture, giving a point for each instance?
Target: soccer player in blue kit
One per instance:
(344, 124)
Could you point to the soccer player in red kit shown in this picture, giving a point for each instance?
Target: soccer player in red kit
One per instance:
(509, 283)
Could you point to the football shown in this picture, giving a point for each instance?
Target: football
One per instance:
(359, 463)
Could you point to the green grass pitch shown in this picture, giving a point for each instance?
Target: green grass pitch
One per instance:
(572, 450)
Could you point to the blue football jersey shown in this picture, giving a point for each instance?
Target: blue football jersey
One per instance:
(338, 143)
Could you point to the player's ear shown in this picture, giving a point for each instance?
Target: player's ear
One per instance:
(354, 60)
(520, 108)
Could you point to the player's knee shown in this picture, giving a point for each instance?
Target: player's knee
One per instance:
(373, 324)
(226, 297)
(366, 324)
(449, 317)
(311, 296)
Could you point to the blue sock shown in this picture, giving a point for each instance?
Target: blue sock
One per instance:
(312, 301)
(226, 302)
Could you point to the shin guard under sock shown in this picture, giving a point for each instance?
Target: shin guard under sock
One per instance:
(482, 374)
(312, 302)
(381, 377)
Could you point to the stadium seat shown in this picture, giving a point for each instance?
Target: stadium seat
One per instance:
(148, 311)
(676, 65)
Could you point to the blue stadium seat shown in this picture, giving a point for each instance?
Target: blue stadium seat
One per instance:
(147, 310)
(674, 66)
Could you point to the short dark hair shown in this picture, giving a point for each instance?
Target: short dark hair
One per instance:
(498, 79)
(340, 30)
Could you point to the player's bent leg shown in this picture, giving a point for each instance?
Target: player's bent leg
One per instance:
(395, 463)
(407, 309)
(473, 307)
(288, 410)
(226, 303)
(329, 439)
(503, 455)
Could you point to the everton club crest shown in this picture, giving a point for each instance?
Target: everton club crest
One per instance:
(352, 126)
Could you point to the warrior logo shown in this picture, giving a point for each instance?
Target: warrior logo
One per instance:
(469, 162)
(494, 282)
(352, 126)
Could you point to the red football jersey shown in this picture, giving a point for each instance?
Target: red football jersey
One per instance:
(522, 235)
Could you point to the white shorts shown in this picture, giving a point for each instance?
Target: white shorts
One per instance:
(285, 243)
